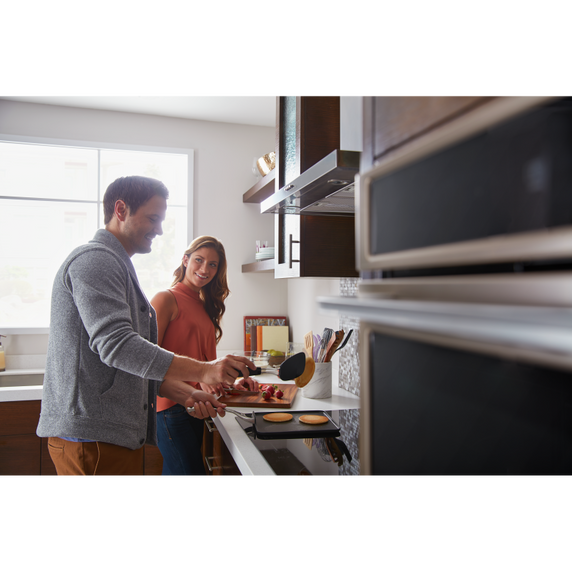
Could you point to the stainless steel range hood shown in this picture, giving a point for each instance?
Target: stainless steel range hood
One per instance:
(325, 188)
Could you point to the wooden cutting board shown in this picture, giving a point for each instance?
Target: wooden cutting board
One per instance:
(285, 402)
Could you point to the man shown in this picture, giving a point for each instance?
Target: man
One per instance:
(104, 369)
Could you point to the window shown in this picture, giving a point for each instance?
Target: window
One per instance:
(51, 201)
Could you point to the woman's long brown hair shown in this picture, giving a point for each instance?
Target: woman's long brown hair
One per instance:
(216, 291)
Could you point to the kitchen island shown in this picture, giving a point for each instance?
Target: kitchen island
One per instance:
(251, 456)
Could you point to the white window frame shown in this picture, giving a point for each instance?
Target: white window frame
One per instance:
(9, 138)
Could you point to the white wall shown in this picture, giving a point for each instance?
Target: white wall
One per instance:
(223, 162)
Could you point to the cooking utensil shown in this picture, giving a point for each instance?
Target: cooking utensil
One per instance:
(293, 429)
(316, 349)
(326, 336)
(244, 416)
(339, 337)
(291, 367)
(330, 344)
(304, 378)
(334, 451)
(260, 360)
(309, 344)
(233, 391)
(344, 342)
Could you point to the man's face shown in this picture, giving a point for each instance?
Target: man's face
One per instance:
(141, 228)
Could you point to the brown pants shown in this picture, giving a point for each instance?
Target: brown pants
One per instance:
(71, 458)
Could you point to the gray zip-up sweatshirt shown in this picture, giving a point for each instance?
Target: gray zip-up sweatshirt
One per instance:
(103, 367)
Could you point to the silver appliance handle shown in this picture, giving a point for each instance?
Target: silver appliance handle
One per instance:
(538, 335)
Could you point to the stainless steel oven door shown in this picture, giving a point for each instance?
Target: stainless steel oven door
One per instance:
(462, 388)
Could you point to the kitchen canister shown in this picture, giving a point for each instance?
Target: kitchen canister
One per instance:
(320, 386)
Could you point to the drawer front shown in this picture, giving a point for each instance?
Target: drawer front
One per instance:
(19, 417)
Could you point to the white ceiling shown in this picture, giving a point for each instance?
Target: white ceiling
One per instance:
(248, 110)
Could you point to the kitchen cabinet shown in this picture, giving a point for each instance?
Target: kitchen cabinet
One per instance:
(216, 456)
(391, 122)
(22, 452)
(315, 246)
(306, 245)
(393, 127)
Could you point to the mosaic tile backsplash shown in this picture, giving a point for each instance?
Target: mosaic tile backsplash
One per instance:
(349, 379)
(349, 365)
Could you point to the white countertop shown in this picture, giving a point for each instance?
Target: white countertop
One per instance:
(247, 457)
(21, 393)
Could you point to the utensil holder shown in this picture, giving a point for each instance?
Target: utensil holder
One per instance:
(320, 386)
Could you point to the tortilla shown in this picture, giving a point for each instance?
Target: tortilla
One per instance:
(277, 417)
(313, 419)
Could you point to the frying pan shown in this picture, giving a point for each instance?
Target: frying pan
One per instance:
(293, 429)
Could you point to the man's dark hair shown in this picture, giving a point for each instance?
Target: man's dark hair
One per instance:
(134, 191)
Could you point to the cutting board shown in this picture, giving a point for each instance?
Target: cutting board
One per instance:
(285, 402)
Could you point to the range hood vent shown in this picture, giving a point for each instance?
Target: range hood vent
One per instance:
(325, 188)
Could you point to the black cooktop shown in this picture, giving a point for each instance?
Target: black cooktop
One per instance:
(329, 455)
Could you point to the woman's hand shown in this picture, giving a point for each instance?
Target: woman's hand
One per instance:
(213, 389)
(248, 383)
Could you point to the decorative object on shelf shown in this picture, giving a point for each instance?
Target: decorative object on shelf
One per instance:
(266, 163)
(265, 253)
(251, 323)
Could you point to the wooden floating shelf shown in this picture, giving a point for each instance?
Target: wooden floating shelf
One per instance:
(261, 190)
(259, 266)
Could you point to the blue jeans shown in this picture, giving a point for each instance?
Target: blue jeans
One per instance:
(180, 438)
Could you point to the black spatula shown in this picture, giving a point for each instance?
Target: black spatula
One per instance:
(291, 368)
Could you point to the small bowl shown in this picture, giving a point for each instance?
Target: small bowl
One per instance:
(260, 359)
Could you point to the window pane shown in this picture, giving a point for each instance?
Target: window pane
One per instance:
(44, 171)
(36, 237)
(171, 169)
(155, 270)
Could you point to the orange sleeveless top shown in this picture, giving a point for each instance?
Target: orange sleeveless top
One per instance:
(191, 333)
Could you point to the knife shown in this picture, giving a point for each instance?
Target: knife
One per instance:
(233, 391)
(257, 371)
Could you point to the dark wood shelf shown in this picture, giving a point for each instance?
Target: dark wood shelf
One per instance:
(259, 266)
(261, 190)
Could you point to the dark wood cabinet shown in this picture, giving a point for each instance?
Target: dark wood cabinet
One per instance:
(22, 452)
(217, 458)
(391, 122)
(20, 447)
(315, 246)
(308, 245)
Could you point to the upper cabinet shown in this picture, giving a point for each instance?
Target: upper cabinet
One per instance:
(391, 122)
(313, 195)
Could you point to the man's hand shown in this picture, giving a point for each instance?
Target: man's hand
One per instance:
(224, 371)
(205, 405)
(219, 374)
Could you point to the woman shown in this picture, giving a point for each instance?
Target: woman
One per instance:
(188, 317)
